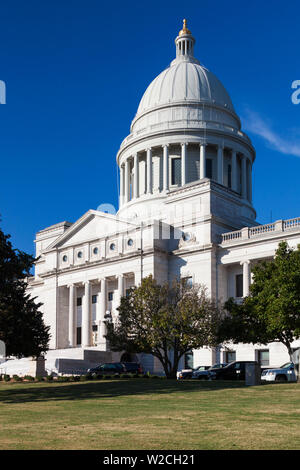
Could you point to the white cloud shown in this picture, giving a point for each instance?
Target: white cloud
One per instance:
(254, 123)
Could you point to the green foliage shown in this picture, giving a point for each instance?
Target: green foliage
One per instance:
(6, 378)
(17, 378)
(29, 378)
(272, 310)
(63, 378)
(21, 322)
(165, 321)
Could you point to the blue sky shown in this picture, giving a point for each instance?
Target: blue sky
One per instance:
(75, 72)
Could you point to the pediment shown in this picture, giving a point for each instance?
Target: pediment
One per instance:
(93, 225)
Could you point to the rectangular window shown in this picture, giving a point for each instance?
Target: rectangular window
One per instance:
(188, 281)
(110, 296)
(189, 360)
(176, 171)
(79, 301)
(94, 299)
(78, 336)
(263, 357)
(208, 168)
(239, 285)
(95, 328)
(230, 356)
(229, 176)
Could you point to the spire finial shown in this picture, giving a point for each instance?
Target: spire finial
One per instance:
(184, 29)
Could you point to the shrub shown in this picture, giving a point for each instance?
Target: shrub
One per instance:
(6, 377)
(85, 377)
(16, 378)
(49, 378)
(39, 378)
(107, 376)
(63, 378)
(29, 378)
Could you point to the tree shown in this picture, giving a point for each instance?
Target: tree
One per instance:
(166, 321)
(272, 310)
(22, 326)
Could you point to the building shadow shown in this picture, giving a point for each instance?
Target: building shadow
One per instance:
(97, 389)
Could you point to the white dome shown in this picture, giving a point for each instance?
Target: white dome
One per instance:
(185, 81)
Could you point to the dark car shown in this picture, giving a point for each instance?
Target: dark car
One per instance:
(188, 373)
(113, 368)
(133, 367)
(233, 371)
(206, 374)
(109, 368)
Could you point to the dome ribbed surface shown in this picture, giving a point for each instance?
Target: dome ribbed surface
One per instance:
(185, 81)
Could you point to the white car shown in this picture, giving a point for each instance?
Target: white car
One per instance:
(285, 373)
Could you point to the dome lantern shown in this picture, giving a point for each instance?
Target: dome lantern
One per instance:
(185, 44)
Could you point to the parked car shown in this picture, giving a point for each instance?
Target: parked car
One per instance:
(285, 373)
(133, 367)
(113, 368)
(233, 371)
(188, 373)
(109, 368)
(205, 374)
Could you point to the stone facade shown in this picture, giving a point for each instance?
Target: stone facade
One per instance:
(185, 210)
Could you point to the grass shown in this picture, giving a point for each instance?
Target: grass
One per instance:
(149, 414)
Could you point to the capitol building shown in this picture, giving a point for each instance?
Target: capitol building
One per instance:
(185, 210)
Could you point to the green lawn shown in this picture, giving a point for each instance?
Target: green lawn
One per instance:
(149, 414)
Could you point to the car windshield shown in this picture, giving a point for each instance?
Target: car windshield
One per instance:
(285, 366)
(216, 366)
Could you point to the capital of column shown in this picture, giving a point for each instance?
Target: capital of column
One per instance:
(247, 261)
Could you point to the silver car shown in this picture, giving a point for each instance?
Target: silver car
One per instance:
(285, 373)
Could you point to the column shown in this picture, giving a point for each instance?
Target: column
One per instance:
(246, 277)
(136, 175)
(126, 196)
(149, 171)
(72, 315)
(202, 161)
(244, 177)
(86, 315)
(121, 186)
(250, 180)
(102, 326)
(234, 170)
(183, 164)
(165, 167)
(220, 165)
(120, 290)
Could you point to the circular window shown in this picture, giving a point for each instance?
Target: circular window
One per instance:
(95, 251)
(112, 246)
(79, 254)
(186, 237)
(130, 242)
(65, 258)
